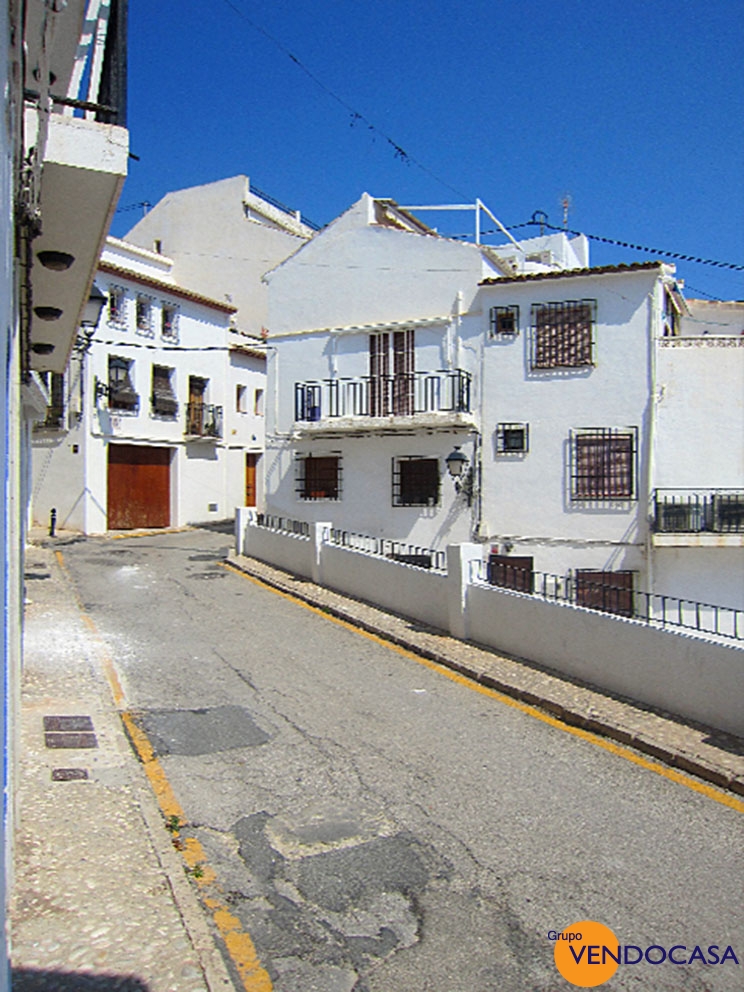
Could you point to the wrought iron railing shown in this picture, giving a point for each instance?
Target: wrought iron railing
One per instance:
(381, 396)
(285, 525)
(383, 547)
(621, 599)
(203, 420)
(696, 511)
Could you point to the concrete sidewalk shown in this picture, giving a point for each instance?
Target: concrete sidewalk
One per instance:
(101, 901)
(710, 755)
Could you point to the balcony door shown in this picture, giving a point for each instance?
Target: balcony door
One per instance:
(197, 391)
(391, 393)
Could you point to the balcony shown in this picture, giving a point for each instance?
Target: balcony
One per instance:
(698, 517)
(203, 421)
(384, 404)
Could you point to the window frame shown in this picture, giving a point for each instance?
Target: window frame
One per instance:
(163, 400)
(122, 385)
(505, 315)
(116, 306)
(609, 484)
(169, 332)
(555, 339)
(502, 430)
(144, 325)
(415, 498)
(314, 482)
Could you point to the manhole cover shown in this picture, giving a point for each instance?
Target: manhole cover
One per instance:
(69, 774)
(69, 732)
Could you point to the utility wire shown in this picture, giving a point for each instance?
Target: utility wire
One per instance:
(356, 115)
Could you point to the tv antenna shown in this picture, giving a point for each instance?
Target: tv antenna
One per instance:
(566, 204)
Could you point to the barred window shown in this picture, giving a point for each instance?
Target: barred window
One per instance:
(164, 400)
(603, 463)
(143, 312)
(512, 438)
(415, 481)
(319, 477)
(116, 306)
(169, 321)
(121, 392)
(562, 334)
(504, 320)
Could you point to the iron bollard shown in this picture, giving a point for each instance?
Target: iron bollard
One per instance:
(52, 521)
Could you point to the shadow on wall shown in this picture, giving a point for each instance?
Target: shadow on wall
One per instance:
(42, 980)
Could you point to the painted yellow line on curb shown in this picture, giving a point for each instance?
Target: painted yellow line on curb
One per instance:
(680, 778)
(239, 945)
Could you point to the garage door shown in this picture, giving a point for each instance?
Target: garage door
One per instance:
(138, 487)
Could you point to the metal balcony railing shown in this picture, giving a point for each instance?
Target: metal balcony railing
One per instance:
(203, 420)
(698, 511)
(383, 396)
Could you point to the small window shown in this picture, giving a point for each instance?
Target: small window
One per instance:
(55, 412)
(163, 400)
(603, 464)
(504, 321)
(169, 322)
(240, 399)
(116, 306)
(610, 592)
(121, 392)
(258, 403)
(512, 438)
(562, 334)
(415, 481)
(144, 314)
(319, 477)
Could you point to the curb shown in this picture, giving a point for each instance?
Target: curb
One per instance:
(576, 716)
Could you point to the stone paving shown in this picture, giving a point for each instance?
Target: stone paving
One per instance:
(100, 901)
(716, 757)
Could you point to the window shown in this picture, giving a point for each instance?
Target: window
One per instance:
(603, 463)
(121, 393)
(511, 572)
(562, 334)
(610, 592)
(116, 307)
(164, 401)
(55, 412)
(512, 438)
(319, 477)
(415, 481)
(240, 399)
(143, 312)
(258, 402)
(169, 321)
(504, 321)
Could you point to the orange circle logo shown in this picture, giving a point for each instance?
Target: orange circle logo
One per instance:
(587, 954)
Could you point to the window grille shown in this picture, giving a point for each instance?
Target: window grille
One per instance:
(143, 315)
(169, 321)
(562, 334)
(164, 400)
(604, 464)
(504, 321)
(611, 592)
(116, 306)
(416, 481)
(512, 438)
(318, 477)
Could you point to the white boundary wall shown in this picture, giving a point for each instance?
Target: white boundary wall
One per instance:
(690, 676)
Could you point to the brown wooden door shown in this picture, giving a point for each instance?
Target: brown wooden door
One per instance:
(138, 487)
(251, 478)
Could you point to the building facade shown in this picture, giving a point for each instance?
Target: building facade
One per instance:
(159, 419)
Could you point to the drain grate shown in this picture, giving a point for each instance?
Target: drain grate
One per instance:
(69, 732)
(69, 774)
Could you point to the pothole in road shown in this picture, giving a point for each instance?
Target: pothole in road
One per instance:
(202, 731)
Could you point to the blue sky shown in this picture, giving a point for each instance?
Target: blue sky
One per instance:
(633, 108)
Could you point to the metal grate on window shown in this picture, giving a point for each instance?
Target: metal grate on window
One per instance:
(504, 321)
(116, 309)
(169, 322)
(604, 463)
(416, 481)
(318, 476)
(163, 398)
(512, 438)
(562, 334)
(143, 314)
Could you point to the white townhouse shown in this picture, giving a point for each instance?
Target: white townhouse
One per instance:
(64, 147)
(159, 419)
(399, 359)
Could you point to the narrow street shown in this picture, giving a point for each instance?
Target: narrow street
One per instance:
(376, 826)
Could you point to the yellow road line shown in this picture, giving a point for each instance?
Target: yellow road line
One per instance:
(238, 942)
(680, 778)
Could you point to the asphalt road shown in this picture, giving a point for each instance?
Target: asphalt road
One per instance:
(376, 826)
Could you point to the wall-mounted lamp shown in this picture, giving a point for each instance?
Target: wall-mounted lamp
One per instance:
(100, 388)
(57, 261)
(93, 308)
(461, 471)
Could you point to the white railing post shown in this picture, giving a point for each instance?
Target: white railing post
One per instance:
(459, 557)
(318, 533)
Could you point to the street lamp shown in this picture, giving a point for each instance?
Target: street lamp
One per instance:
(93, 308)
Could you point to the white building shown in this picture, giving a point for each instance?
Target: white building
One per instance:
(222, 238)
(391, 348)
(63, 158)
(159, 420)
